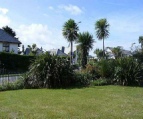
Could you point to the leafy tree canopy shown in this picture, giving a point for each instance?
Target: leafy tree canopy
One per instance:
(9, 30)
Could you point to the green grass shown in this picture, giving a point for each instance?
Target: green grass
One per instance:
(103, 102)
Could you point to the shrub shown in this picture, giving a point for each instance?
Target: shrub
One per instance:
(75, 67)
(100, 82)
(128, 71)
(139, 56)
(91, 69)
(82, 79)
(15, 62)
(19, 84)
(105, 68)
(50, 72)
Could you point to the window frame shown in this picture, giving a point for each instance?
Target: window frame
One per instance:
(6, 47)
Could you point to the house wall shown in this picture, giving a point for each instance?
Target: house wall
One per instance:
(14, 47)
(0, 47)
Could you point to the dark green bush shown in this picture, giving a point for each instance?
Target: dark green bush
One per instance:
(100, 82)
(128, 71)
(105, 68)
(82, 79)
(50, 72)
(15, 62)
(138, 56)
(75, 66)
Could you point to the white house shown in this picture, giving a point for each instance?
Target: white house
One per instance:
(58, 52)
(8, 43)
(125, 53)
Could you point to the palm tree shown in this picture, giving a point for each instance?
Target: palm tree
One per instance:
(85, 41)
(70, 30)
(102, 30)
(99, 53)
(33, 49)
(141, 41)
(117, 51)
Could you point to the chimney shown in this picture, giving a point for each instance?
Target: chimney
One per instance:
(63, 49)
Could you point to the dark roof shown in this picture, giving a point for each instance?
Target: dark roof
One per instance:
(27, 51)
(57, 52)
(5, 37)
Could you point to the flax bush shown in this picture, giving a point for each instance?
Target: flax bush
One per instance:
(128, 71)
(50, 72)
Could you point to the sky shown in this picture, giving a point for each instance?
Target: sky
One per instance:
(41, 21)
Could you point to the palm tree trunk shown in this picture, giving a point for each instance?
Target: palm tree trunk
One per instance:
(71, 56)
(103, 48)
(84, 59)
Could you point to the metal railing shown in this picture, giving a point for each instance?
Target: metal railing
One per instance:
(9, 76)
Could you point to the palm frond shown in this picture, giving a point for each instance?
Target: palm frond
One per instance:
(70, 30)
(102, 29)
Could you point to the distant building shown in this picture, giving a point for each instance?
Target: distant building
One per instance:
(8, 43)
(125, 53)
(28, 51)
(58, 52)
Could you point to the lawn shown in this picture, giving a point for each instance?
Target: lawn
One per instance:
(104, 102)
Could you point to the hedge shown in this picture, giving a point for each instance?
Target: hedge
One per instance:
(15, 62)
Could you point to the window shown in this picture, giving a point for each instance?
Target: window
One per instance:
(6, 47)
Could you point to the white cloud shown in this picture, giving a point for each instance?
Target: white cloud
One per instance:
(3, 10)
(51, 8)
(40, 35)
(74, 10)
(4, 19)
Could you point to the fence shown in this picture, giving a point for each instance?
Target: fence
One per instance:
(9, 76)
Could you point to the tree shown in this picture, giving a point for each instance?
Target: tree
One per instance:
(70, 30)
(141, 41)
(23, 49)
(78, 50)
(33, 49)
(9, 30)
(117, 51)
(102, 30)
(85, 41)
(99, 53)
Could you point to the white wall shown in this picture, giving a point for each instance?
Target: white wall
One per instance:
(1, 47)
(14, 47)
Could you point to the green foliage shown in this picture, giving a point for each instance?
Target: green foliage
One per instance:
(117, 51)
(141, 41)
(105, 68)
(33, 49)
(102, 30)
(122, 71)
(128, 71)
(82, 79)
(70, 29)
(99, 53)
(75, 66)
(50, 72)
(19, 84)
(14, 62)
(100, 82)
(85, 41)
(139, 56)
